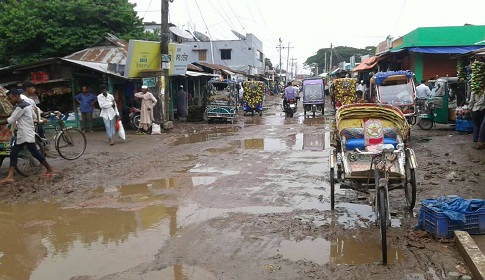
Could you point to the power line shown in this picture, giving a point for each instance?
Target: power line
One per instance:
(399, 17)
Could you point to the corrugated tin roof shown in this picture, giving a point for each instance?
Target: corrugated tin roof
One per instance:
(101, 54)
(98, 66)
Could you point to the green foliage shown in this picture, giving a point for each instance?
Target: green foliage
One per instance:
(340, 54)
(37, 29)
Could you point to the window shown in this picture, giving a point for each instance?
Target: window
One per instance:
(225, 54)
(202, 55)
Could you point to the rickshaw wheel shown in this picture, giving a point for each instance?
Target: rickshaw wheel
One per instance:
(383, 222)
(410, 185)
(332, 188)
(313, 114)
(425, 124)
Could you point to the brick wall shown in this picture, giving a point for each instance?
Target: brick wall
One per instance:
(438, 64)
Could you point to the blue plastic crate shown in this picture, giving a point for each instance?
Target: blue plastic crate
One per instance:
(439, 224)
(464, 125)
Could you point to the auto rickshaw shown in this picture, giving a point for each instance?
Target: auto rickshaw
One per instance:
(313, 95)
(441, 105)
(396, 88)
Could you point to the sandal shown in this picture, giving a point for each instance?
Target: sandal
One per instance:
(479, 146)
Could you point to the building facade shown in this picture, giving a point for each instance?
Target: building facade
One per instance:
(244, 55)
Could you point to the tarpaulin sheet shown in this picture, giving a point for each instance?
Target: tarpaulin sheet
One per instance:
(444, 50)
(454, 207)
(381, 76)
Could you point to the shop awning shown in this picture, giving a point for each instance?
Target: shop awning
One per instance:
(198, 74)
(227, 72)
(367, 64)
(444, 50)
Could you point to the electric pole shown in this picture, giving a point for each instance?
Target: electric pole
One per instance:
(288, 61)
(331, 53)
(293, 64)
(164, 40)
(280, 47)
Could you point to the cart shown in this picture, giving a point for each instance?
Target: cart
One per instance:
(370, 157)
(222, 103)
(343, 91)
(313, 96)
(253, 97)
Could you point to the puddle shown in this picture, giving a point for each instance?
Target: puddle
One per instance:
(206, 135)
(200, 168)
(343, 250)
(47, 241)
(296, 142)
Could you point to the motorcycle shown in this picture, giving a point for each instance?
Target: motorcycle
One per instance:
(290, 107)
(134, 116)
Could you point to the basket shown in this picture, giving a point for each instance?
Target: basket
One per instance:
(439, 224)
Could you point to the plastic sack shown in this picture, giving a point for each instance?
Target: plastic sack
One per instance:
(120, 129)
(156, 129)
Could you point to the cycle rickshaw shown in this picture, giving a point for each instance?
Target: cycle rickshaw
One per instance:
(370, 157)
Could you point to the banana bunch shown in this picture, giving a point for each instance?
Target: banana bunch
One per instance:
(477, 82)
(460, 70)
(345, 90)
(253, 93)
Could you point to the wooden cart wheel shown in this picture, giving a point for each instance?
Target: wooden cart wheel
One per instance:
(332, 188)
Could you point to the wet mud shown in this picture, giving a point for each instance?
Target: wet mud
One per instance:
(249, 200)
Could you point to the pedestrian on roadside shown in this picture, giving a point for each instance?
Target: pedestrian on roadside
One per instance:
(22, 116)
(148, 101)
(109, 112)
(422, 94)
(182, 103)
(477, 105)
(86, 100)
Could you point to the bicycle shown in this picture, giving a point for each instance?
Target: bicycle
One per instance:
(70, 142)
(27, 165)
(380, 197)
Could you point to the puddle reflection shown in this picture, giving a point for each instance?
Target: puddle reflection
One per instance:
(206, 135)
(46, 241)
(342, 250)
(299, 141)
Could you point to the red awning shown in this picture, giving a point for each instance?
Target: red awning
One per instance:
(367, 64)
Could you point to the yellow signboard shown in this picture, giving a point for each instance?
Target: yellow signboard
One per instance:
(142, 55)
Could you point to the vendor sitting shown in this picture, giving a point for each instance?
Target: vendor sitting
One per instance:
(359, 95)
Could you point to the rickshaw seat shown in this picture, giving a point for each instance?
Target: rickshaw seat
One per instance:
(359, 143)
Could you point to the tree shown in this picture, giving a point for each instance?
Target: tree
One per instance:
(267, 63)
(340, 54)
(37, 29)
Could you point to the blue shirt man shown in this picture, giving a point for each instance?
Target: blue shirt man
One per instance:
(86, 100)
(290, 92)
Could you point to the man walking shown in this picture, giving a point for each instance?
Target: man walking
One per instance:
(148, 101)
(182, 103)
(24, 136)
(109, 112)
(422, 94)
(86, 100)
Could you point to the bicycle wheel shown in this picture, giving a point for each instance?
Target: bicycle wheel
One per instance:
(27, 165)
(410, 185)
(71, 143)
(332, 188)
(383, 222)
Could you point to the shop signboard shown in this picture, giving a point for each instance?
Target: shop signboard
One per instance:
(179, 58)
(150, 82)
(142, 55)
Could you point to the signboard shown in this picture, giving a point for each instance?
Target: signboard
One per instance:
(142, 55)
(384, 46)
(150, 82)
(179, 58)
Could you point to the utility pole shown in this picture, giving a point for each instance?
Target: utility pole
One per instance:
(280, 47)
(325, 64)
(331, 53)
(164, 40)
(288, 61)
(293, 64)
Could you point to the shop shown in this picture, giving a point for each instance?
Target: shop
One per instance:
(59, 80)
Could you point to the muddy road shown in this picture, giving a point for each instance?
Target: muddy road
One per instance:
(248, 200)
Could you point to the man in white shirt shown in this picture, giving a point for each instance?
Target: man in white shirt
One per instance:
(422, 94)
(25, 135)
(109, 112)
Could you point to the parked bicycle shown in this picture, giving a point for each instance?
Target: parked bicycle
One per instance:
(69, 142)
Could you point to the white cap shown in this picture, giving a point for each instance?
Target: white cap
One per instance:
(181, 85)
(144, 87)
(361, 81)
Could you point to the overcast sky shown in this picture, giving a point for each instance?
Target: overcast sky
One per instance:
(308, 25)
